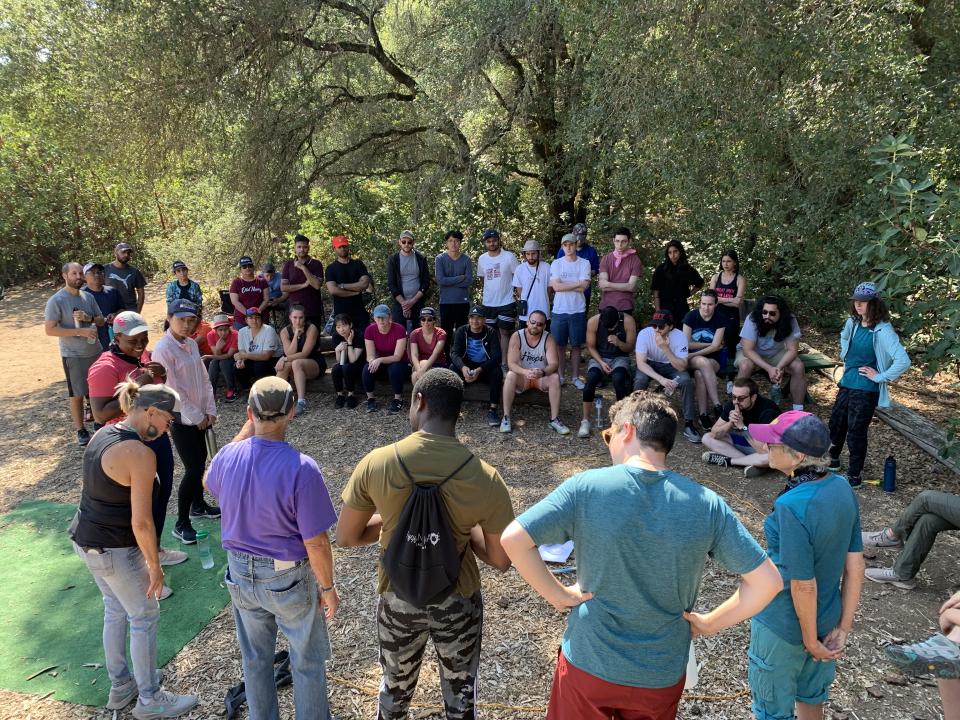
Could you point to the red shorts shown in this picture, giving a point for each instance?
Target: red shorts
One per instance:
(524, 383)
(578, 695)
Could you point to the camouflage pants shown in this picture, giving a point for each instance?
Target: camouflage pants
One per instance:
(455, 627)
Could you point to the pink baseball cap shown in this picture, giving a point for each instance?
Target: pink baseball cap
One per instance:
(802, 431)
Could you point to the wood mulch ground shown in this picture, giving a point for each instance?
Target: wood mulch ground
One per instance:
(39, 459)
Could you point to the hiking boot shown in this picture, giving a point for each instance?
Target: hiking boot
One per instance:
(205, 511)
(855, 480)
(880, 539)
(937, 654)
(752, 471)
(164, 704)
(834, 465)
(492, 418)
(352, 402)
(505, 425)
(172, 557)
(886, 576)
(340, 401)
(715, 458)
(394, 407)
(301, 408)
(230, 395)
(371, 405)
(691, 434)
(560, 428)
(584, 430)
(83, 437)
(185, 534)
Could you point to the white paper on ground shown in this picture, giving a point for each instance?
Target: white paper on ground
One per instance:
(556, 553)
(692, 668)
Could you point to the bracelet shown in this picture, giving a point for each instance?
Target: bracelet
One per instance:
(325, 589)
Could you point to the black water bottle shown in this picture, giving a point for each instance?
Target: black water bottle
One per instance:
(890, 474)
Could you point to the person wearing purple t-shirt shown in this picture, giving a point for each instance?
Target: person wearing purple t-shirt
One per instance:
(276, 511)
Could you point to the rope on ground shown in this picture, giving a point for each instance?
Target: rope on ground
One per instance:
(371, 692)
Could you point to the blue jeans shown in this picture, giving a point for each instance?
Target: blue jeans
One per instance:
(121, 574)
(263, 600)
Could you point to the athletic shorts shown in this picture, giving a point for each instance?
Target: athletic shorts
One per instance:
(569, 329)
(524, 383)
(782, 674)
(773, 359)
(75, 369)
(503, 317)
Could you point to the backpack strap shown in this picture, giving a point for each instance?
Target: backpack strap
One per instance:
(406, 471)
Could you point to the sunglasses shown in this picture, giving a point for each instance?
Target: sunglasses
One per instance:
(406, 242)
(246, 267)
(427, 318)
(769, 313)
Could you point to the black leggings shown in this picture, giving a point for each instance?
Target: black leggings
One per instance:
(620, 376)
(164, 451)
(452, 316)
(850, 421)
(494, 378)
(347, 377)
(192, 449)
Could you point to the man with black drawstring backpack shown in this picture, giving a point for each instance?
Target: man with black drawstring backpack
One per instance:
(474, 502)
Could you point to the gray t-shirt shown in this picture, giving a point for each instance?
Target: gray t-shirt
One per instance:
(60, 308)
(126, 280)
(766, 345)
(409, 275)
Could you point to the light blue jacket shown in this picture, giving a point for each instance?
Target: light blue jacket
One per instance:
(892, 359)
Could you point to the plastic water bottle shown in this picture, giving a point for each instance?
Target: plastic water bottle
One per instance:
(598, 409)
(776, 394)
(890, 474)
(203, 547)
(78, 325)
(668, 392)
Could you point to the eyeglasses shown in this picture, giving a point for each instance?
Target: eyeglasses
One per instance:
(740, 398)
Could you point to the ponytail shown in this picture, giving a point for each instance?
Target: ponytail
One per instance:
(127, 392)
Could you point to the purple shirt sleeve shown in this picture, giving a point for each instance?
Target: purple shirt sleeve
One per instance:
(315, 513)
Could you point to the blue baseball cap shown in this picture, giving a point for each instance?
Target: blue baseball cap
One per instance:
(865, 291)
(491, 233)
(182, 308)
(381, 311)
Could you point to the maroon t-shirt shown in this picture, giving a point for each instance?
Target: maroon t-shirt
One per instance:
(311, 299)
(425, 349)
(251, 295)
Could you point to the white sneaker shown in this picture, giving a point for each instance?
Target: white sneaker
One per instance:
(164, 704)
(165, 593)
(584, 430)
(557, 425)
(887, 576)
(579, 384)
(172, 557)
(505, 425)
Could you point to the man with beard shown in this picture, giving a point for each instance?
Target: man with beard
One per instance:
(72, 316)
(611, 335)
(770, 341)
(531, 281)
(128, 280)
(302, 279)
(533, 362)
(347, 279)
(408, 277)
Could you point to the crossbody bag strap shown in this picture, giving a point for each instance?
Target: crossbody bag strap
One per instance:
(537, 272)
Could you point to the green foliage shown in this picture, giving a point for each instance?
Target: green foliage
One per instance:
(915, 252)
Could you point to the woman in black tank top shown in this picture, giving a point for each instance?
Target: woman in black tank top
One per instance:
(731, 288)
(301, 354)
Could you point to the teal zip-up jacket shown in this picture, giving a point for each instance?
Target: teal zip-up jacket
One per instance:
(892, 359)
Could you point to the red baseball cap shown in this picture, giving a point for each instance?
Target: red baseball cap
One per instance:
(339, 241)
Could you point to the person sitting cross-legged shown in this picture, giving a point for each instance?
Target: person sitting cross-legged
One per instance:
(533, 361)
(662, 356)
(728, 440)
(915, 530)
(610, 336)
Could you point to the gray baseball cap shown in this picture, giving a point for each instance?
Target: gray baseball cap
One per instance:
(162, 397)
(270, 398)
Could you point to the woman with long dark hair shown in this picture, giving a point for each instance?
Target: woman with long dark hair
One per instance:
(872, 357)
(674, 281)
(731, 288)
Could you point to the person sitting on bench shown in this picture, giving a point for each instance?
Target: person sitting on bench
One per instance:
(770, 341)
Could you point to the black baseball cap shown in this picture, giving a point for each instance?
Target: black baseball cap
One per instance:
(491, 233)
(245, 260)
(179, 265)
(476, 310)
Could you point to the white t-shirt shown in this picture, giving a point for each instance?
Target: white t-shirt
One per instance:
(497, 274)
(567, 271)
(648, 345)
(539, 277)
(267, 339)
(766, 346)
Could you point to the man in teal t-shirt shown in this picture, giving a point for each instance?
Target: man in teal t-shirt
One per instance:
(642, 535)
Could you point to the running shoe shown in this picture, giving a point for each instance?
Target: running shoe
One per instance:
(584, 430)
(505, 425)
(715, 458)
(886, 576)
(880, 539)
(557, 425)
(938, 655)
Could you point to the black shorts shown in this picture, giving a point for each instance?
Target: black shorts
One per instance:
(503, 317)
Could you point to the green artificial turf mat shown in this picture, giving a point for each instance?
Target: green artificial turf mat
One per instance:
(52, 611)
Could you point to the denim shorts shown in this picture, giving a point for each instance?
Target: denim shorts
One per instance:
(782, 674)
(569, 329)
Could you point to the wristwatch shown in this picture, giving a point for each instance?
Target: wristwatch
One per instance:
(325, 589)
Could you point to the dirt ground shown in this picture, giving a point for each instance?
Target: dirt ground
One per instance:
(39, 459)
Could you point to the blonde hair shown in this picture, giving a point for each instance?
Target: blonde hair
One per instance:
(127, 392)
